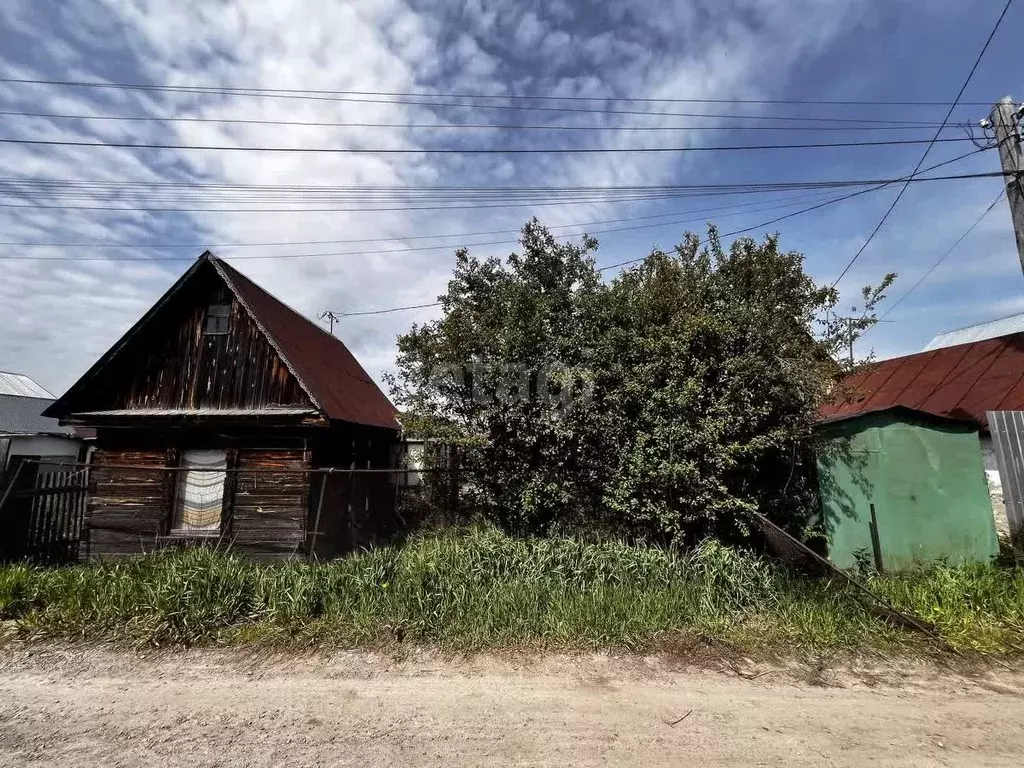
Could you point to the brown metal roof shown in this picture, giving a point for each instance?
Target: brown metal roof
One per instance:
(329, 373)
(961, 382)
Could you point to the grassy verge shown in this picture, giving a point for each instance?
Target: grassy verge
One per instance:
(484, 590)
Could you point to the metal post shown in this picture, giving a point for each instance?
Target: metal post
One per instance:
(1005, 121)
(876, 543)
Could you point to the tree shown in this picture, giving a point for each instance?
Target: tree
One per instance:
(660, 406)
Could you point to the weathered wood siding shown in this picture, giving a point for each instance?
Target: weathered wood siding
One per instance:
(127, 509)
(172, 363)
(188, 369)
(270, 508)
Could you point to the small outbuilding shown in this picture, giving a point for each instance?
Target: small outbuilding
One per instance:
(902, 487)
(27, 435)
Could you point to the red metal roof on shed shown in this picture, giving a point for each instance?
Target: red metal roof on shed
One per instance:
(962, 382)
(323, 364)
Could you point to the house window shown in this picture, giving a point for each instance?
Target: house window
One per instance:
(200, 498)
(217, 316)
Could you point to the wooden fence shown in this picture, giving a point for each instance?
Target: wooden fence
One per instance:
(41, 518)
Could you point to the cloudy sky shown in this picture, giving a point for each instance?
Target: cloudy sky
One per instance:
(112, 227)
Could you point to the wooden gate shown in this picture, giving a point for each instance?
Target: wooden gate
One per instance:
(41, 518)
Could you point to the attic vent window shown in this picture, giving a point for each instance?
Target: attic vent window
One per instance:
(217, 319)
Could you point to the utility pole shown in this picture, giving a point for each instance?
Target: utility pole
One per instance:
(331, 318)
(1005, 121)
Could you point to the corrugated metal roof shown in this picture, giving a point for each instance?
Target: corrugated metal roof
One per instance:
(961, 382)
(992, 329)
(327, 371)
(20, 385)
(322, 363)
(20, 415)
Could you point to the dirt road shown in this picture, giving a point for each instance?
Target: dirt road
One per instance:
(232, 709)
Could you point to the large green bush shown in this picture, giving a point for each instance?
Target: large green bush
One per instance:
(659, 406)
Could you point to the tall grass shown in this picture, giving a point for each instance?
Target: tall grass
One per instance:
(485, 590)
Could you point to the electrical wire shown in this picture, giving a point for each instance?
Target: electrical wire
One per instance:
(479, 150)
(702, 242)
(421, 94)
(447, 246)
(451, 204)
(434, 189)
(411, 98)
(942, 258)
(474, 126)
(927, 149)
(26, 257)
(811, 208)
(402, 238)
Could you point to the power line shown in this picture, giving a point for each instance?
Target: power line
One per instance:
(26, 257)
(255, 91)
(474, 126)
(703, 242)
(811, 208)
(479, 150)
(447, 246)
(932, 143)
(434, 189)
(618, 264)
(386, 311)
(402, 238)
(942, 258)
(511, 202)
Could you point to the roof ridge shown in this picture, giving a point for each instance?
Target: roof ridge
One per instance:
(294, 311)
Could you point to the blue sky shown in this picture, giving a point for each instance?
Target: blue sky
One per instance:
(58, 316)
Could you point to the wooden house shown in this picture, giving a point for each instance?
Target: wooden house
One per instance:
(214, 415)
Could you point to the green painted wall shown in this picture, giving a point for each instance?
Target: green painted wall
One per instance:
(926, 480)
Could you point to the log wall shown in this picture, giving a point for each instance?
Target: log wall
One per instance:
(127, 509)
(269, 515)
(265, 509)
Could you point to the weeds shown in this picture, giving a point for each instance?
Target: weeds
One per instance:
(483, 589)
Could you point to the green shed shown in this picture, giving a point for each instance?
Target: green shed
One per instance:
(901, 487)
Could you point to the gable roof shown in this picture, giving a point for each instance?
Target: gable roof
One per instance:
(991, 329)
(333, 379)
(330, 374)
(961, 382)
(20, 385)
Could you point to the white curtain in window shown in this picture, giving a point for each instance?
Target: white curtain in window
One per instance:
(200, 494)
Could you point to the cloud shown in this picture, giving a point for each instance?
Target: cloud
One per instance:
(62, 316)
